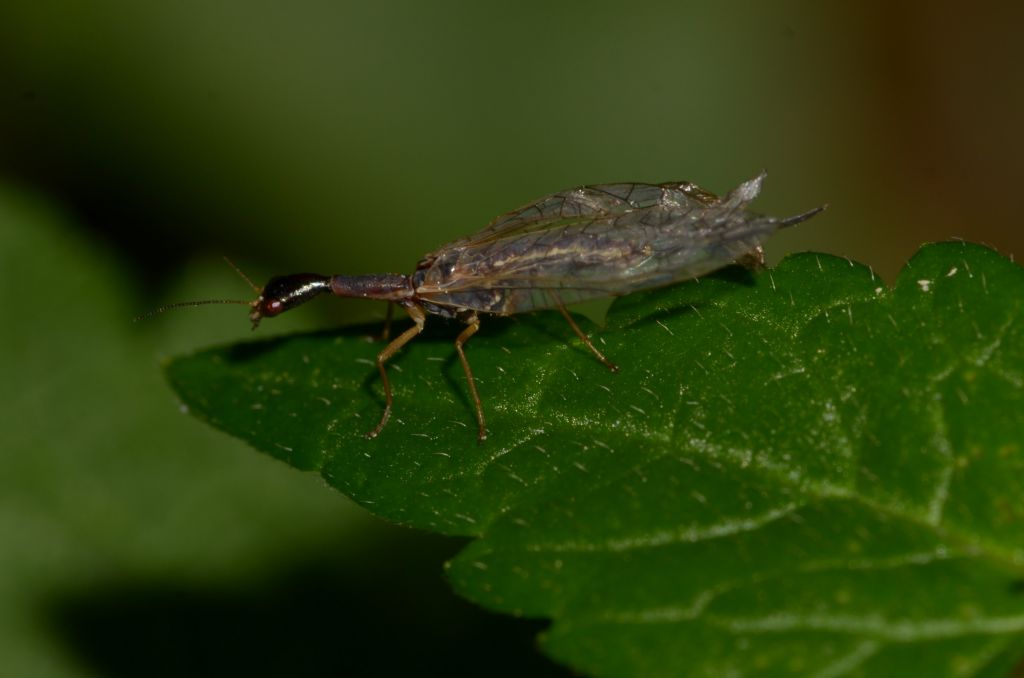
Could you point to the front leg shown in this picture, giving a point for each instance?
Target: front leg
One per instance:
(419, 318)
(472, 326)
(385, 333)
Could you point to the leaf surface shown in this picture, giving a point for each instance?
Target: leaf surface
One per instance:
(801, 470)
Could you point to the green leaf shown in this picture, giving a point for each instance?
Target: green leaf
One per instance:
(797, 471)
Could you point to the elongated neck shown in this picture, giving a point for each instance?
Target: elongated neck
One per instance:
(390, 286)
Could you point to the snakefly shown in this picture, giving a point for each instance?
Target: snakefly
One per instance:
(580, 244)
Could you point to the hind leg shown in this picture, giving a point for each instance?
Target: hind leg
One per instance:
(586, 340)
(752, 260)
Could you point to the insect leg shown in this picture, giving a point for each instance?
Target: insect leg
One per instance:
(471, 329)
(752, 260)
(391, 349)
(586, 340)
(386, 332)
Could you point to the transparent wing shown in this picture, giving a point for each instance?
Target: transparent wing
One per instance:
(581, 204)
(567, 249)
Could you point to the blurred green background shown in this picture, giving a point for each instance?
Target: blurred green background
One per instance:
(140, 141)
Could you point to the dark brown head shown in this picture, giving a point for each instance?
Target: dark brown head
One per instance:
(277, 296)
(285, 292)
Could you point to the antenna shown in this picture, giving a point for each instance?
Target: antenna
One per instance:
(244, 276)
(203, 302)
(184, 304)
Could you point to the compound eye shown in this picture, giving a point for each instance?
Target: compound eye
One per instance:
(288, 291)
(272, 307)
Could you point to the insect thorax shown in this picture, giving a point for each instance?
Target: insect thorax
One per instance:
(430, 285)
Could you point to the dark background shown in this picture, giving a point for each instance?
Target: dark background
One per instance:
(140, 141)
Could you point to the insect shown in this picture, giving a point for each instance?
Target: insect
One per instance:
(579, 244)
